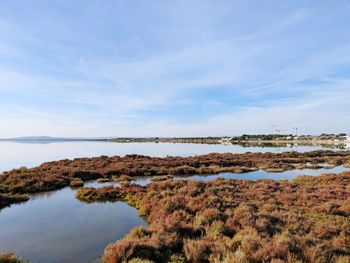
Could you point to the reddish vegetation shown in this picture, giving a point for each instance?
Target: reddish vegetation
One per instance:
(76, 182)
(54, 175)
(7, 199)
(10, 258)
(303, 220)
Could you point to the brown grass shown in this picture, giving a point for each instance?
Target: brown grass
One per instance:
(303, 220)
(58, 174)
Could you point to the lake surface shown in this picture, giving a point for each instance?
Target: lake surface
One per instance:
(15, 155)
(56, 227)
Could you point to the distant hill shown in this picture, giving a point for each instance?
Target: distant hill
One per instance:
(50, 139)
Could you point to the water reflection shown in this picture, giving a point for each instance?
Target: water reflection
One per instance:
(260, 174)
(255, 175)
(56, 227)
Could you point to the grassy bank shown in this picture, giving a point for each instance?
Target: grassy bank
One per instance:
(7, 199)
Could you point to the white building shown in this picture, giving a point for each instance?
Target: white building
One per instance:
(347, 142)
(225, 141)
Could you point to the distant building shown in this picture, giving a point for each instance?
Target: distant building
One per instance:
(347, 142)
(225, 141)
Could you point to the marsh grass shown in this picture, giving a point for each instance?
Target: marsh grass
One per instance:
(303, 220)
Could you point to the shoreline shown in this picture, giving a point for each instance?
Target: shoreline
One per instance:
(193, 140)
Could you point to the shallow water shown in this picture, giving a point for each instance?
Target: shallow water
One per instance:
(56, 227)
(255, 175)
(15, 154)
(260, 174)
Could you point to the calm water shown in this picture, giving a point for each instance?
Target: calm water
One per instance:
(287, 175)
(259, 174)
(56, 227)
(15, 155)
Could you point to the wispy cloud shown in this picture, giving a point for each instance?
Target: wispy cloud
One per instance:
(175, 68)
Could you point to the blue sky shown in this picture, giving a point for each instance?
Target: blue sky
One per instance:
(173, 68)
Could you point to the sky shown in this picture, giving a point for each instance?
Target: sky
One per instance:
(89, 68)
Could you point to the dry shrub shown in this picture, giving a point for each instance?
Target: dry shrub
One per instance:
(345, 208)
(283, 244)
(208, 216)
(326, 229)
(177, 258)
(341, 243)
(76, 183)
(232, 226)
(230, 257)
(197, 251)
(248, 240)
(10, 257)
(291, 258)
(163, 241)
(126, 250)
(138, 233)
(238, 257)
(245, 215)
(122, 178)
(342, 259)
(315, 255)
(216, 230)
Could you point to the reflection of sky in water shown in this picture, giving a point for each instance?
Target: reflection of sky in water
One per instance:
(287, 175)
(260, 174)
(14, 155)
(56, 227)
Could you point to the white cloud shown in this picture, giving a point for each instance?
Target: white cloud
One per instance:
(281, 65)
